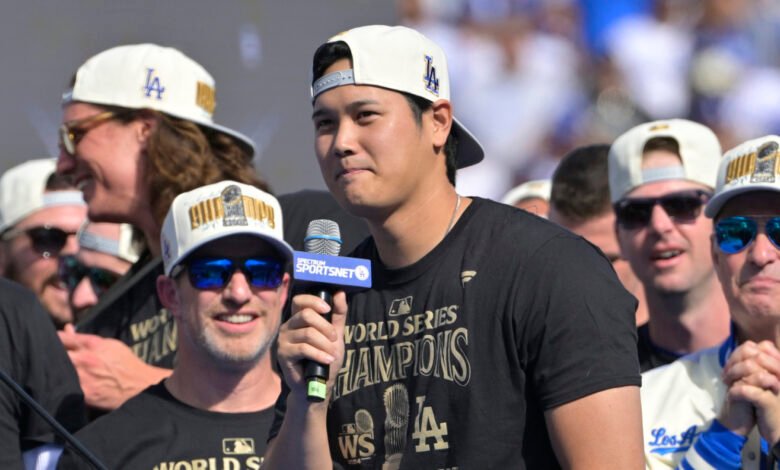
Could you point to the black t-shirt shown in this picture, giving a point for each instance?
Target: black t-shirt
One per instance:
(452, 361)
(650, 355)
(132, 313)
(33, 356)
(155, 431)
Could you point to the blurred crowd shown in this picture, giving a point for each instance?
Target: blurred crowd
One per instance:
(536, 78)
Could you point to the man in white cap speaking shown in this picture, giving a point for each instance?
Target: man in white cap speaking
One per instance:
(227, 273)
(720, 408)
(491, 338)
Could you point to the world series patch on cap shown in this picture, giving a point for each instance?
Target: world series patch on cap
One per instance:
(751, 166)
(401, 59)
(216, 211)
(149, 76)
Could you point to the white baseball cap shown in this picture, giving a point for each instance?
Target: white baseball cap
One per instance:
(126, 247)
(751, 166)
(153, 77)
(539, 189)
(216, 211)
(401, 59)
(23, 191)
(699, 151)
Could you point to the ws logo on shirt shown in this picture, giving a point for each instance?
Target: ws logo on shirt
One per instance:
(665, 443)
(356, 440)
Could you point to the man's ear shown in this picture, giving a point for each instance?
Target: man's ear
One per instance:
(146, 123)
(442, 122)
(168, 292)
(284, 288)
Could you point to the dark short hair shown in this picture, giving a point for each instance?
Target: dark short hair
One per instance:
(580, 184)
(58, 182)
(662, 143)
(331, 52)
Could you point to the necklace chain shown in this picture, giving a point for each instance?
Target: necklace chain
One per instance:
(454, 213)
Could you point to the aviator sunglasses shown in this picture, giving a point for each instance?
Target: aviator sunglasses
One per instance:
(633, 213)
(47, 241)
(72, 271)
(216, 272)
(734, 234)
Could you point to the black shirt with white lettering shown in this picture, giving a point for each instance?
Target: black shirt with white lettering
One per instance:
(451, 362)
(155, 431)
(32, 355)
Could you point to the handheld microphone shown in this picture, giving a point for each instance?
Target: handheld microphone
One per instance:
(322, 237)
(323, 271)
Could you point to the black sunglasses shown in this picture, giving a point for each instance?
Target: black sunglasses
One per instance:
(72, 271)
(216, 272)
(47, 241)
(734, 234)
(633, 213)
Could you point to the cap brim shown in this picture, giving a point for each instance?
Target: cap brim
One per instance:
(240, 138)
(719, 200)
(470, 151)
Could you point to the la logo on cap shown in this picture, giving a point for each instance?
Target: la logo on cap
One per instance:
(153, 84)
(430, 78)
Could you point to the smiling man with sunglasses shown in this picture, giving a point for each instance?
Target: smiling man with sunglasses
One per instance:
(720, 408)
(40, 213)
(660, 176)
(227, 273)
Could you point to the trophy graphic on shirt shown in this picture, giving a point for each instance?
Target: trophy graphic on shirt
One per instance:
(396, 400)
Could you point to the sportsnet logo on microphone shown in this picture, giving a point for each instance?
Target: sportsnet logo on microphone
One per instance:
(336, 270)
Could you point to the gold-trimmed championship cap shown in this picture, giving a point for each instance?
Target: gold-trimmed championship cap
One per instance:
(216, 211)
(751, 166)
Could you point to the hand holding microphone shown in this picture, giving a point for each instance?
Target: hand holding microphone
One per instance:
(320, 272)
(322, 237)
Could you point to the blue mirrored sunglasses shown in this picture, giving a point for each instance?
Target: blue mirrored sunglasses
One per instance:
(216, 272)
(734, 234)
